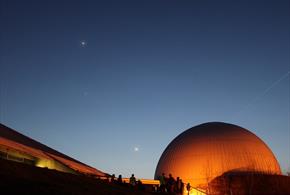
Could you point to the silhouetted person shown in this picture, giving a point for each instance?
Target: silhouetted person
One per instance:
(112, 178)
(162, 181)
(178, 186)
(182, 187)
(140, 185)
(132, 180)
(188, 188)
(119, 180)
(170, 184)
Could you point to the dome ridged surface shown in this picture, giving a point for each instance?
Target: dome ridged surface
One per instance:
(206, 151)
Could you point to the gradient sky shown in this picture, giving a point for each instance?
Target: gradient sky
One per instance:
(148, 71)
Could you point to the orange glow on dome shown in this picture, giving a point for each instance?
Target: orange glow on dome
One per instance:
(206, 151)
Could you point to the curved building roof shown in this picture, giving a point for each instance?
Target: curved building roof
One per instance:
(11, 140)
(206, 151)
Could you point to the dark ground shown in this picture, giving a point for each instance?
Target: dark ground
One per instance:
(17, 178)
(244, 183)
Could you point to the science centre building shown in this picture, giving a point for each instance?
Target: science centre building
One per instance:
(17, 147)
(200, 156)
(207, 151)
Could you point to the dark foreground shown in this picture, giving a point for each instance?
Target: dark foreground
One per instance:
(244, 183)
(17, 178)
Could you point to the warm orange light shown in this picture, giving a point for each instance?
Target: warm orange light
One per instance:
(193, 192)
(46, 157)
(144, 181)
(204, 152)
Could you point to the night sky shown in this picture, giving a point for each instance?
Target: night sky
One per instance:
(111, 83)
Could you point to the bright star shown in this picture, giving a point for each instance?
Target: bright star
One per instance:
(136, 149)
(83, 43)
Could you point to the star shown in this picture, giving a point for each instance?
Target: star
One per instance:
(83, 43)
(136, 149)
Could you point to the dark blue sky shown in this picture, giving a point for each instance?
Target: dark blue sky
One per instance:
(149, 70)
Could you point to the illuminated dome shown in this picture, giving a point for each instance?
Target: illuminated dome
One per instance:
(206, 151)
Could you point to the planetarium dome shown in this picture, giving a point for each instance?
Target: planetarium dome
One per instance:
(206, 151)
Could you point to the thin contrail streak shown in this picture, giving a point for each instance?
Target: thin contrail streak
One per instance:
(267, 90)
(272, 86)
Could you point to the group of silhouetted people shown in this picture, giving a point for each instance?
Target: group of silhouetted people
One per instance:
(113, 179)
(132, 181)
(170, 185)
